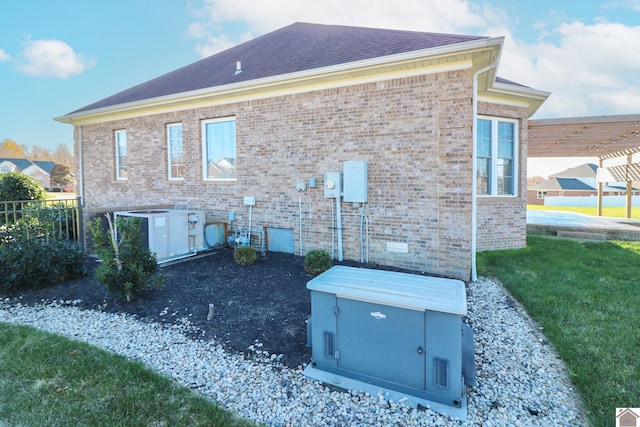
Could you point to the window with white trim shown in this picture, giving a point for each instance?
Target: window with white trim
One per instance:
(542, 194)
(121, 154)
(497, 157)
(175, 151)
(219, 149)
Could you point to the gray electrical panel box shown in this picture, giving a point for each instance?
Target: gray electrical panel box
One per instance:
(397, 331)
(332, 184)
(355, 181)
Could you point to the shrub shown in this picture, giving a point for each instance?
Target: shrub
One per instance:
(245, 255)
(30, 255)
(18, 186)
(128, 266)
(317, 261)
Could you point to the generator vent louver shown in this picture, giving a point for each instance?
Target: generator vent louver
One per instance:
(441, 372)
(329, 347)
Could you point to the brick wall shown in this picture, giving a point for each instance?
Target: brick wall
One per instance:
(414, 133)
(501, 221)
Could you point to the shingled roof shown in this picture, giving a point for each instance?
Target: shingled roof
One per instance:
(297, 47)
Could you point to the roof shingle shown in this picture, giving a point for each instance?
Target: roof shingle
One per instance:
(297, 47)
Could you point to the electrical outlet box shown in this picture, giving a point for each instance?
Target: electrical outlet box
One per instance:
(301, 186)
(332, 184)
(250, 201)
(355, 181)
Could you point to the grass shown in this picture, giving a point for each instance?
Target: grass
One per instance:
(609, 211)
(48, 380)
(586, 297)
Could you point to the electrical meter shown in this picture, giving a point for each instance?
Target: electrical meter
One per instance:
(332, 184)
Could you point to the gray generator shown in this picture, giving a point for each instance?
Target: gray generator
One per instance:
(375, 330)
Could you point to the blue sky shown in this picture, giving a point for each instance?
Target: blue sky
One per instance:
(57, 56)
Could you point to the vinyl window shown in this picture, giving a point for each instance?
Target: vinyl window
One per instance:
(121, 154)
(175, 151)
(497, 161)
(219, 149)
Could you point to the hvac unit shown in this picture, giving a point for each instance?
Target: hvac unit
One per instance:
(403, 333)
(170, 233)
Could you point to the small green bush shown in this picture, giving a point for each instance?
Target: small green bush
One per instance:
(31, 255)
(245, 255)
(317, 261)
(19, 186)
(128, 266)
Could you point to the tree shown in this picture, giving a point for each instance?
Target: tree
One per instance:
(39, 153)
(63, 156)
(12, 149)
(60, 176)
(18, 186)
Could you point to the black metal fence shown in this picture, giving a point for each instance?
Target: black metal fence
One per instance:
(64, 216)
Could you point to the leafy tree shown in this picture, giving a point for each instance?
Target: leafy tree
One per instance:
(12, 149)
(18, 186)
(60, 176)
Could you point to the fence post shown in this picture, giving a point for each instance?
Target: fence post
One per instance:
(80, 222)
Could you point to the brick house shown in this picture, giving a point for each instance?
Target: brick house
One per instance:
(285, 108)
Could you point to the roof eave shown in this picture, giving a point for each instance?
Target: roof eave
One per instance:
(300, 77)
(534, 97)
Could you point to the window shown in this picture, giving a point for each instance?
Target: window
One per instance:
(497, 162)
(542, 194)
(219, 149)
(121, 154)
(176, 159)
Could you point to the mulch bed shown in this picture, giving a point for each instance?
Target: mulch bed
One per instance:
(266, 302)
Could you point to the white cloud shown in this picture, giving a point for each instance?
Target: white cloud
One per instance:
(262, 16)
(52, 58)
(591, 69)
(4, 56)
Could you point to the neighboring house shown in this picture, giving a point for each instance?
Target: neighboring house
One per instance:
(579, 181)
(266, 117)
(38, 169)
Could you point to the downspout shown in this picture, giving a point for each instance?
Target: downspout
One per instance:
(474, 171)
(80, 166)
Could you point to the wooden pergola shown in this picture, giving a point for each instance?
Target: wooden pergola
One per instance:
(605, 137)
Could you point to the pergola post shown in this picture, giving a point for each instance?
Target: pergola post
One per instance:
(599, 203)
(629, 200)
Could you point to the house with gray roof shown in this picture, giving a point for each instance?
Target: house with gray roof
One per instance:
(579, 181)
(38, 169)
(280, 121)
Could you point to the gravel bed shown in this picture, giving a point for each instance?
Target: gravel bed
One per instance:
(520, 380)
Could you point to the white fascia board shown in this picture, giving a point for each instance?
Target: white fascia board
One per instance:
(333, 72)
(514, 95)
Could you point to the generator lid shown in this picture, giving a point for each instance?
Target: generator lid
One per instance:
(392, 288)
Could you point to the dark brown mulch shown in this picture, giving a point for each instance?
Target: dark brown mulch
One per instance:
(265, 302)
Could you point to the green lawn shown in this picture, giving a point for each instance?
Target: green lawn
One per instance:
(614, 212)
(47, 380)
(586, 297)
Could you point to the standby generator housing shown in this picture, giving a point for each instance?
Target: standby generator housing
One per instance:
(397, 331)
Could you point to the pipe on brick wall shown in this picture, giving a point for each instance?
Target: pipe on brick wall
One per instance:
(474, 170)
(80, 167)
